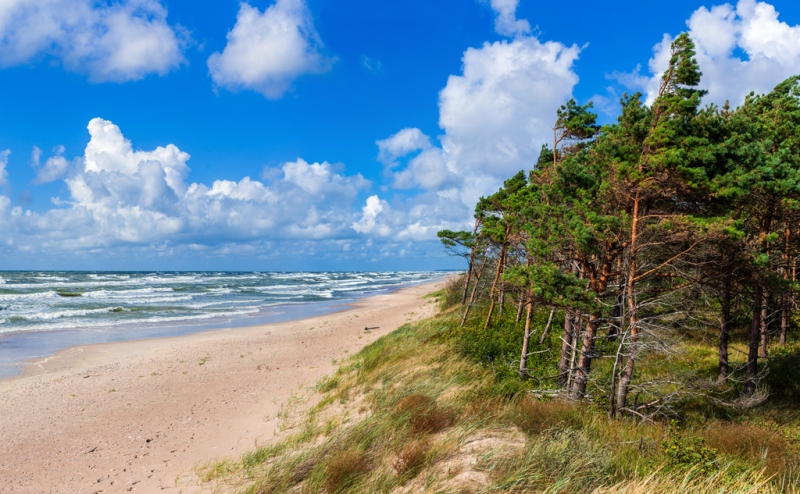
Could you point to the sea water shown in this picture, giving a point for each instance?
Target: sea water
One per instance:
(43, 312)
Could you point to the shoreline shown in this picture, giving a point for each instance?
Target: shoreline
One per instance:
(138, 415)
(18, 349)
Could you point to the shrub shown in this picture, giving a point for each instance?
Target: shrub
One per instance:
(451, 293)
(687, 452)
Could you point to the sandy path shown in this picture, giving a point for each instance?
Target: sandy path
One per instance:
(138, 416)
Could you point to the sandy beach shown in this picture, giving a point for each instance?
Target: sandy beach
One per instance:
(138, 416)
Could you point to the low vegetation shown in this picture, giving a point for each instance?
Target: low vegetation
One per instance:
(434, 407)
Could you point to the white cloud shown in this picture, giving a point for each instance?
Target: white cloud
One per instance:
(3, 164)
(740, 49)
(427, 168)
(506, 22)
(401, 144)
(124, 196)
(109, 151)
(54, 168)
(319, 179)
(495, 116)
(267, 52)
(116, 42)
(369, 224)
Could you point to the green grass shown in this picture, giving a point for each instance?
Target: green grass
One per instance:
(432, 407)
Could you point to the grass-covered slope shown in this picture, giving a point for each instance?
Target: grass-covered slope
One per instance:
(433, 407)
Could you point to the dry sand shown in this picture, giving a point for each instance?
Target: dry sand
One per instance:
(138, 416)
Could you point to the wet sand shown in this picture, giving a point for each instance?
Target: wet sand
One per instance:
(138, 416)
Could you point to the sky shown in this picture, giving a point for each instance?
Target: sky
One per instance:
(316, 134)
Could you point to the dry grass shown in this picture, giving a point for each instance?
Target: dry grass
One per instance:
(343, 471)
(751, 443)
(411, 457)
(424, 415)
(535, 417)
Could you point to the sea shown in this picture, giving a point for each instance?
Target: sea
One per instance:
(42, 312)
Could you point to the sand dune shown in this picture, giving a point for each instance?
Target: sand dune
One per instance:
(138, 416)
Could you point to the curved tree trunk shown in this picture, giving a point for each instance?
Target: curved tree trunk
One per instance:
(467, 280)
(474, 295)
(520, 304)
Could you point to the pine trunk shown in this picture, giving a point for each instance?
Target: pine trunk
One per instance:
(784, 318)
(497, 275)
(755, 333)
(467, 280)
(627, 373)
(547, 326)
(520, 304)
(585, 358)
(474, 295)
(526, 339)
(566, 349)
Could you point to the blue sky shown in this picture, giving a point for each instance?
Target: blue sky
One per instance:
(314, 134)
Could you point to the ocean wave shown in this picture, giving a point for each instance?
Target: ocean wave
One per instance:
(33, 301)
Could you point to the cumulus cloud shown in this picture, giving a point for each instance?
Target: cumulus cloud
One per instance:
(401, 144)
(495, 116)
(54, 168)
(116, 42)
(740, 49)
(501, 110)
(319, 179)
(506, 22)
(425, 164)
(119, 195)
(267, 51)
(368, 223)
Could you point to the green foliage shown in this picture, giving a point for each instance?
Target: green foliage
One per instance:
(783, 375)
(498, 349)
(687, 452)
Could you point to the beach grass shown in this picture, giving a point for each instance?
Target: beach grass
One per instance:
(419, 410)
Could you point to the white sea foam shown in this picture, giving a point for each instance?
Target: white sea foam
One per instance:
(44, 301)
